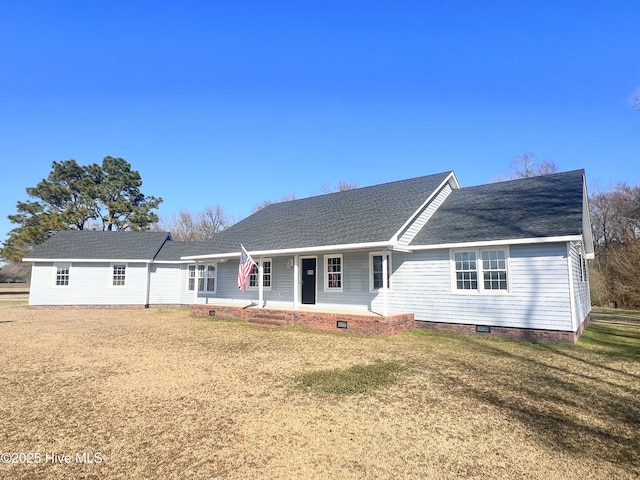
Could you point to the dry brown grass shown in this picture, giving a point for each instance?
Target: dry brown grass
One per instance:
(161, 394)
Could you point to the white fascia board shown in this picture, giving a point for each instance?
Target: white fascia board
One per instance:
(490, 243)
(586, 222)
(88, 260)
(294, 251)
(415, 214)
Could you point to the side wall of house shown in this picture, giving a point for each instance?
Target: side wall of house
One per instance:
(538, 297)
(89, 284)
(167, 285)
(580, 279)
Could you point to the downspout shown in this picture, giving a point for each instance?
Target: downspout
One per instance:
(147, 286)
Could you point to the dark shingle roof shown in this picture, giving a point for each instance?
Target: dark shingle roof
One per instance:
(545, 206)
(90, 244)
(361, 215)
(173, 251)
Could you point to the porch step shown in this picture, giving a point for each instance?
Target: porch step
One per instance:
(272, 319)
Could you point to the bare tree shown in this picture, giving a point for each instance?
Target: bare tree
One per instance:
(189, 227)
(211, 221)
(265, 203)
(341, 186)
(615, 273)
(526, 165)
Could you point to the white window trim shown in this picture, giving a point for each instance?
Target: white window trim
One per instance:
(57, 265)
(389, 269)
(111, 274)
(264, 287)
(480, 290)
(325, 261)
(196, 278)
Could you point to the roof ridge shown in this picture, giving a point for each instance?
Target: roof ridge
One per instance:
(521, 179)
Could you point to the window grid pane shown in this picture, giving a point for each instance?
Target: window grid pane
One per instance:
(211, 274)
(62, 275)
(266, 274)
(334, 272)
(192, 278)
(119, 275)
(253, 276)
(466, 270)
(201, 277)
(494, 266)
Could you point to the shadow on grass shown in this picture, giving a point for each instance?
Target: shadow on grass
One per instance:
(582, 399)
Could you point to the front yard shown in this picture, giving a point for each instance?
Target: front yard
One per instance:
(158, 393)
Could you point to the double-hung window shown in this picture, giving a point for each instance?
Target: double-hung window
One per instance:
(254, 276)
(62, 274)
(204, 276)
(480, 271)
(119, 274)
(333, 273)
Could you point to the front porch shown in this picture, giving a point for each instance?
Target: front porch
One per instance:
(361, 322)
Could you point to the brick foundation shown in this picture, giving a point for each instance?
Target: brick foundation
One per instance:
(367, 324)
(328, 321)
(524, 334)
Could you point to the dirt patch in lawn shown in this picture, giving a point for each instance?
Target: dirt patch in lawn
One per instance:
(158, 393)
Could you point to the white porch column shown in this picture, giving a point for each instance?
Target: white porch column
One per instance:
(260, 284)
(296, 282)
(385, 283)
(195, 283)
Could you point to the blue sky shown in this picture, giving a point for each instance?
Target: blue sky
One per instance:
(233, 103)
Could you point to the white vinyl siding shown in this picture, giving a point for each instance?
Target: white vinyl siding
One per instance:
(538, 297)
(580, 282)
(166, 285)
(89, 284)
(412, 230)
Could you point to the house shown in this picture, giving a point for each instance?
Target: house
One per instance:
(506, 258)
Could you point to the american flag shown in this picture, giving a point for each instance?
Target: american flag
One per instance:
(244, 269)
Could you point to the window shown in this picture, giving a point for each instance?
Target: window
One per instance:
(466, 270)
(62, 275)
(191, 284)
(494, 269)
(583, 268)
(119, 274)
(375, 269)
(205, 274)
(266, 275)
(481, 271)
(333, 272)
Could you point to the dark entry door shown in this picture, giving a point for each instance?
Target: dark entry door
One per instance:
(309, 281)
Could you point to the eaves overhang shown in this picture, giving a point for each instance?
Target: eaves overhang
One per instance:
(295, 251)
(491, 243)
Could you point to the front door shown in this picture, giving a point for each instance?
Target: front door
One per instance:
(309, 281)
